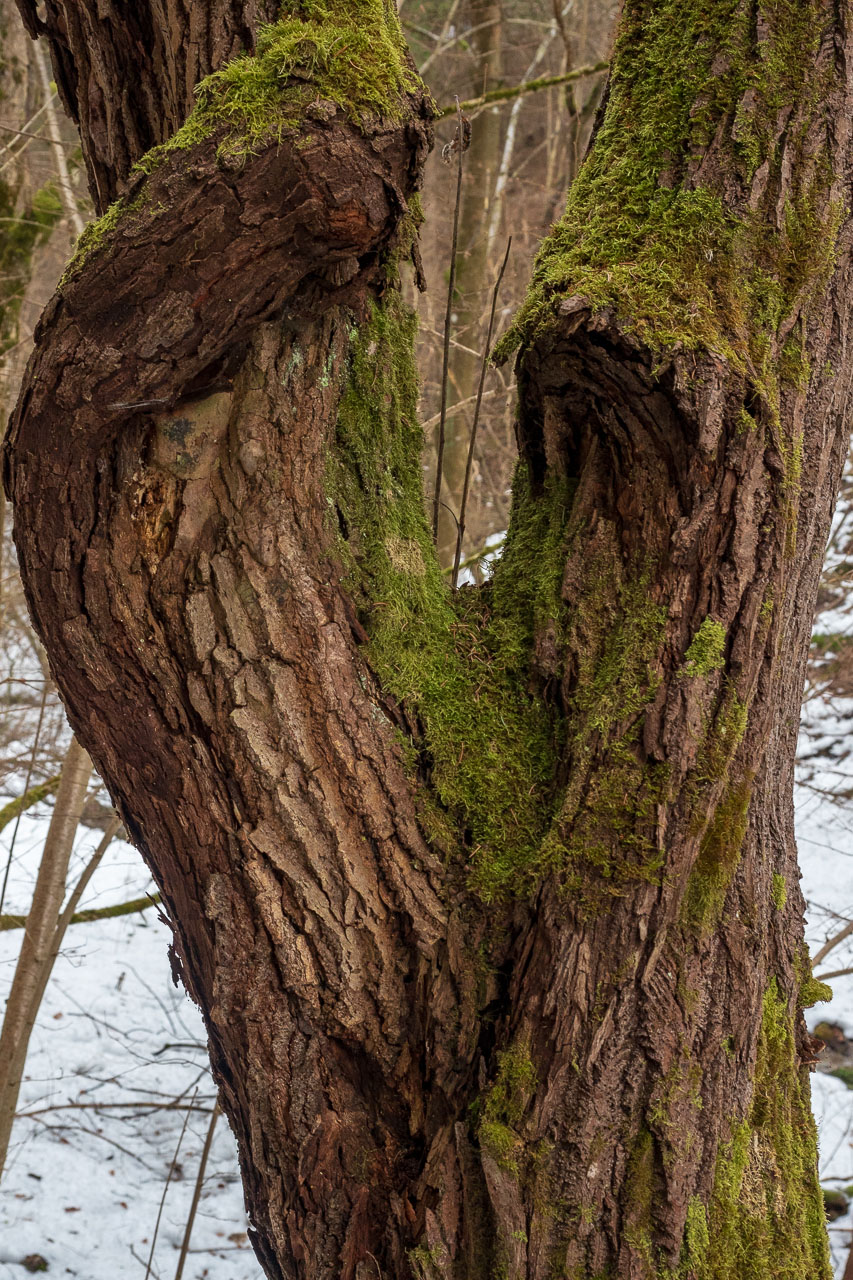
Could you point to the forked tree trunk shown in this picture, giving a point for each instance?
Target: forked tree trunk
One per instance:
(491, 903)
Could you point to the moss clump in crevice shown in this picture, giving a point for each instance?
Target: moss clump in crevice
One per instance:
(766, 1216)
(503, 1106)
(778, 891)
(426, 1262)
(719, 855)
(489, 743)
(706, 651)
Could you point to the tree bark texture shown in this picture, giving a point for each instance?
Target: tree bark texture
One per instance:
(490, 903)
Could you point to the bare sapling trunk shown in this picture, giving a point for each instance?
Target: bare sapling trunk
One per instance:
(40, 943)
(489, 900)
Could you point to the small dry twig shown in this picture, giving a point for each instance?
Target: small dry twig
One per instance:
(202, 1165)
(461, 141)
(460, 530)
(172, 1167)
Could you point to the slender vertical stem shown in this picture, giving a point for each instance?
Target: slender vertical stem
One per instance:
(30, 768)
(460, 531)
(451, 288)
(36, 956)
(202, 1165)
(66, 191)
(172, 1168)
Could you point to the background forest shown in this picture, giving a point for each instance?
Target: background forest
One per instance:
(115, 1150)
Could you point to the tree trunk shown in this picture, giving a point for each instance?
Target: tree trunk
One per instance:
(490, 902)
(41, 942)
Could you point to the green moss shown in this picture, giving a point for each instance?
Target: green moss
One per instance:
(503, 1107)
(697, 1242)
(766, 1216)
(96, 232)
(810, 991)
(779, 891)
(351, 54)
(813, 992)
(426, 1262)
(687, 266)
(706, 651)
(678, 264)
(641, 1194)
(719, 854)
(489, 742)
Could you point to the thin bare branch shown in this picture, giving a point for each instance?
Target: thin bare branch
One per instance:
(460, 531)
(199, 1182)
(451, 287)
(472, 106)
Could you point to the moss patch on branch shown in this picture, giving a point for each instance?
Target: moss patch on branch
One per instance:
(674, 258)
(684, 252)
(351, 54)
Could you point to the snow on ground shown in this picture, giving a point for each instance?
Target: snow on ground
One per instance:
(86, 1169)
(824, 814)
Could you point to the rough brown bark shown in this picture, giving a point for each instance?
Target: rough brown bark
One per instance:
(421, 1083)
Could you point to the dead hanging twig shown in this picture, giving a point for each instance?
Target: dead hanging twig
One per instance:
(172, 1167)
(202, 1165)
(458, 146)
(487, 350)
